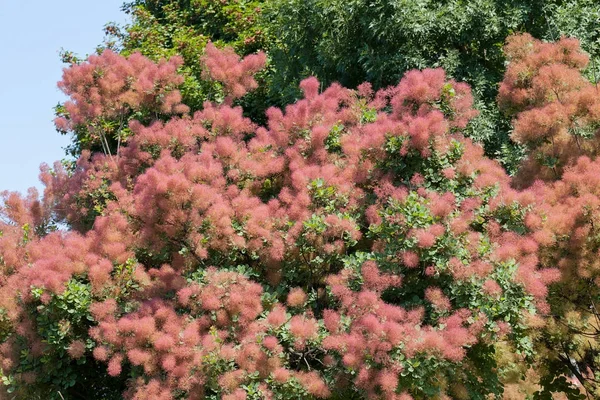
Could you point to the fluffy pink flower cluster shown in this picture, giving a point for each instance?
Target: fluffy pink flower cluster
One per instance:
(556, 114)
(236, 75)
(220, 326)
(556, 108)
(110, 86)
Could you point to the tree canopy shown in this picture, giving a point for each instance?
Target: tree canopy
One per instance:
(235, 228)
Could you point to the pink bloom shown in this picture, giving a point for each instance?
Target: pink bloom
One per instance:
(296, 297)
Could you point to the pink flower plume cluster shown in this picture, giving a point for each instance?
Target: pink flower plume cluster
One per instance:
(556, 113)
(556, 108)
(110, 86)
(237, 76)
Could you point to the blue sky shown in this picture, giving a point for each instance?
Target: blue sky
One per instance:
(33, 33)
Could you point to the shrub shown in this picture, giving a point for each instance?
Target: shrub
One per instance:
(355, 246)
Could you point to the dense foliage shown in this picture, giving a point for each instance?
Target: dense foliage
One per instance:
(356, 246)
(355, 241)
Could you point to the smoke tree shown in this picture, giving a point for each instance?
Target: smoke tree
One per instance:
(556, 107)
(555, 110)
(355, 246)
